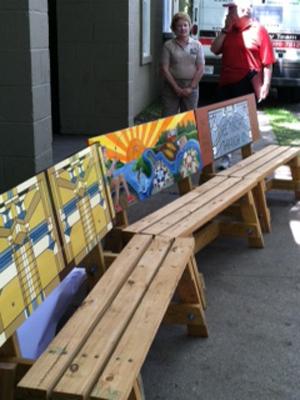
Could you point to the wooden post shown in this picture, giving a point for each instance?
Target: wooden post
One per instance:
(8, 369)
(249, 215)
(185, 185)
(295, 171)
(246, 150)
(137, 392)
(207, 172)
(261, 205)
(191, 294)
(94, 264)
(122, 219)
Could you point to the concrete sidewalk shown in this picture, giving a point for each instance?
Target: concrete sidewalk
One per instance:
(253, 314)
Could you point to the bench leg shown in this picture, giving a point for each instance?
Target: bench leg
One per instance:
(7, 380)
(137, 392)
(190, 311)
(262, 208)
(250, 217)
(185, 185)
(94, 263)
(295, 172)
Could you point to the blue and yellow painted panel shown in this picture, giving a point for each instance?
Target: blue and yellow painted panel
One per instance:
(30, 254)
(81, 202)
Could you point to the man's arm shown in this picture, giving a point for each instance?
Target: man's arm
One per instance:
(267, 76)
(217, 44)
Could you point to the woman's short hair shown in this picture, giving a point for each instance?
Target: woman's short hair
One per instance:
(178, 16)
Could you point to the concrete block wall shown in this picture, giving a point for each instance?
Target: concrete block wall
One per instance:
(102, 84)
(25, 106)
(92, 65)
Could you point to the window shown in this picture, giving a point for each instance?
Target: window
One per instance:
(146, 32)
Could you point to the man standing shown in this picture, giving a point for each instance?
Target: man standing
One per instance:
(247, 54)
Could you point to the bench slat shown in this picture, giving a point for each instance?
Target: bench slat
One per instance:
(246, 161)
(116, 380)
(140, 225)
(273, 154)
(270, 165)
(210, 210)
(202, 209)
(92, 357)
(47, 370)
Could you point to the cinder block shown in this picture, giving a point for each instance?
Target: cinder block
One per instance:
(43, 161)
(16, 139)
(14, 30)
(16, 5)
(40, 67)
(39, 30)
(16, 104)
(41, 100)
(38, 5)
(16, 170)
(75, 21)
(15, 67)
(42, 136)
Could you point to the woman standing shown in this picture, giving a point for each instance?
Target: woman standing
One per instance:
(182, 65)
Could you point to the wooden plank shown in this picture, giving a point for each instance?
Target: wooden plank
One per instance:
(206, 235)
(126, 361)
(247, 161)
(7, 381)
(261, 205)
(185, 185)
(172, 207)
(270, 165)
(183, 314)
(47, 370)
(249, 215)
(191, 207)
(210, 210)
(137, 392)
(85, 367)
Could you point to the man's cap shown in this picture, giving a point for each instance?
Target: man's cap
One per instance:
(238, 3)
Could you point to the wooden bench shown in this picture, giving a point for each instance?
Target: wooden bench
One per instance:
(198, 213)
(233, 125)
(37, 250)
(100, 351)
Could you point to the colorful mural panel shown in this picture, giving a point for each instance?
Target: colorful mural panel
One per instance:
(30, 255)
(229, 128)
(144, 159)
(81, 202)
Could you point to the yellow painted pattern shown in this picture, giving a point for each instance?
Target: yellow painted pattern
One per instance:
(81, 202)
(30, 255)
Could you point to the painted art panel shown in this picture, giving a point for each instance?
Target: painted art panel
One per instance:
(30, 254)
(226, 126)
(145, 159)
(229, 128)
(81, 202)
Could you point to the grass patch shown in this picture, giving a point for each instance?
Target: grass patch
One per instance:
(285, 125)
(151, 113)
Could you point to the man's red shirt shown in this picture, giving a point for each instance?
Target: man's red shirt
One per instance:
(245, 50)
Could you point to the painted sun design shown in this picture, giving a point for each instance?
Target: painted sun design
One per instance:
(129, 144)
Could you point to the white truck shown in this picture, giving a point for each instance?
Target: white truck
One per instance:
(282, 20)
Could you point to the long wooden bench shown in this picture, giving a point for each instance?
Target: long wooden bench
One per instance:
(100, 351)
(198, 213)
(233, 125)
(40, 244)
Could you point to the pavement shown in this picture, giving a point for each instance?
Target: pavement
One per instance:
(253, 317)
